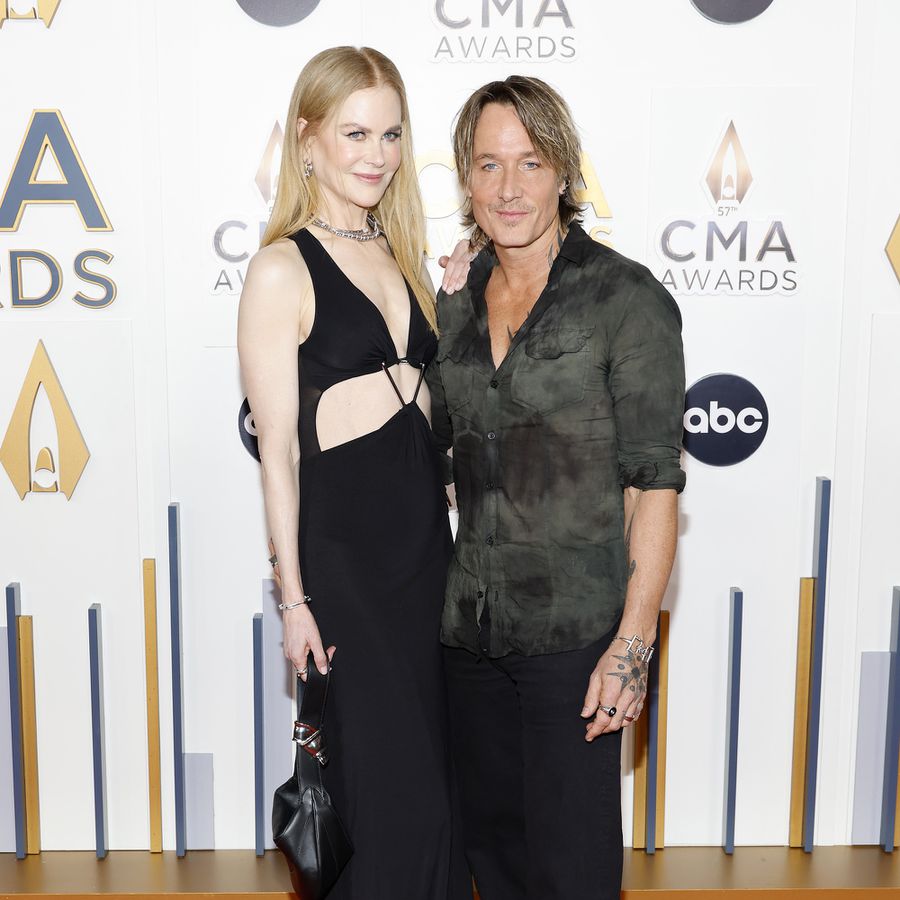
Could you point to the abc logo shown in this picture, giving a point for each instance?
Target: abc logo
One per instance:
(278, 12)
(731, 12)
(725, 420)
(247, 430)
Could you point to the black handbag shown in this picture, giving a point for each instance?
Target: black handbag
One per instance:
(305, 826)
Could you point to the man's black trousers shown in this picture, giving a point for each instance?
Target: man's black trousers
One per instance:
(541, 807)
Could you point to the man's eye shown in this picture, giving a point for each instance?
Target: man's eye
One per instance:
(531, 164)
(489, 167)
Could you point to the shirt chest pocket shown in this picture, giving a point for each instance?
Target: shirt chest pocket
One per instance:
(553, 370)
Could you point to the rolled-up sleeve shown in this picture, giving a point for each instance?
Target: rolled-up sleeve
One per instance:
(646, 382)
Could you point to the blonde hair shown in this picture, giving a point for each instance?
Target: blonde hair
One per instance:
(548, 121)
(324, 84)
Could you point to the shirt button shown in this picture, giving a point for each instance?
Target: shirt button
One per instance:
(489, 485)
(480, 594)
(491, 435)
(489, 540)
(494, 382)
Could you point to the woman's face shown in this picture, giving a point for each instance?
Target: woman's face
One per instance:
(356, 152)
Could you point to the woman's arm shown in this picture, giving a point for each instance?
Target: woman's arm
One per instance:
(275, 311)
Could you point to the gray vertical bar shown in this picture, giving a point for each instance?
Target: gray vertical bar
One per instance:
(874, 677)
(13, 609)
(892, 734)
(177, 692)
(259, 785)
(734, 713)
(652, 747)
(7, 788)
(200, 831)
(98, 731)
(278, 700)
(820, 569)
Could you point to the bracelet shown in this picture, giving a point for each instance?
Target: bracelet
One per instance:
(306, 600)
(643, 652)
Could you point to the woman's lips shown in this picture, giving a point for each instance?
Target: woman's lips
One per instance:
(369, 179)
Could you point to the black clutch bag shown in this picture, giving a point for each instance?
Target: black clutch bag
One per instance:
(305, 826)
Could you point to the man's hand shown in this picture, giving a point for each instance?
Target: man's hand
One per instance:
(456, 267)
(620, 681)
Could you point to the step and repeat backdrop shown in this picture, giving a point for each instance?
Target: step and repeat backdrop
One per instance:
(745, 150)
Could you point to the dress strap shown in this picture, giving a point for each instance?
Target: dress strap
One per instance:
(419, 382)
(384, 367)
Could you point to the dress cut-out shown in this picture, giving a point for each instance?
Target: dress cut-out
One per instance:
(374, 548)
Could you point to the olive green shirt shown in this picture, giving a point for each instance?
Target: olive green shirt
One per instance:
(588, 400)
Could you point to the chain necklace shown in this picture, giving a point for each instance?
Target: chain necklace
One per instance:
(369, 233)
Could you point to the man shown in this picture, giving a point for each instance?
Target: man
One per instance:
(559, 384)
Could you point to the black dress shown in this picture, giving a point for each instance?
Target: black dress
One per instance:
(374, 548)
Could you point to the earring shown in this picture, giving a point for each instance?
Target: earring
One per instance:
(307, 168)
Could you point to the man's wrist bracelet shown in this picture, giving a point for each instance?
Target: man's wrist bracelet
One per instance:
(641, 651)
(306, 600)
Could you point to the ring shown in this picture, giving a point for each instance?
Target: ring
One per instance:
(629, 718)
(609, 710)
(303, 671)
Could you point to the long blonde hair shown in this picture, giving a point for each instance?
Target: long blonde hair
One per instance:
(324, 84)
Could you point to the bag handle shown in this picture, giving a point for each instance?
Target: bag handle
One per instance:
(311, 753)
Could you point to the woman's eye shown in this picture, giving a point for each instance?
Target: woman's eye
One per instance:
(355, 135)
(392, 135)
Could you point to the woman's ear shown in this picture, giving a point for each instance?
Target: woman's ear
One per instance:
(301, 127)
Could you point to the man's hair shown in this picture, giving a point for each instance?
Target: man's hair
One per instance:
(546, 118)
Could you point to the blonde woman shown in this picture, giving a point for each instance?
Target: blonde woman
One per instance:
(337, 324)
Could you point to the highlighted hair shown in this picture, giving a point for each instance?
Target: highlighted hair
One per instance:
(326, 81)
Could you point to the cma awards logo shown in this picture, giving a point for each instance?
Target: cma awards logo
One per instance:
(48, 171)
(278, 12)
(44, 414)
(727, 253)
(44, 10)
(725, 420)
(503, 31)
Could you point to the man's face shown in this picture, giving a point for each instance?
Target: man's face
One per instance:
(515, 194)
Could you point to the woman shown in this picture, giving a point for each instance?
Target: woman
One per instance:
(336, 327)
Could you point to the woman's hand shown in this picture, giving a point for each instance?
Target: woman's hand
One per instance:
(301, 637)
(456, 267)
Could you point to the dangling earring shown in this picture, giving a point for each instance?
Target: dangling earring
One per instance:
(307, 168)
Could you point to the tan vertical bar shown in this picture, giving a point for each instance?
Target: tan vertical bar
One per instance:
(662, 643)
(25, 631)
(639, 816)
(801, 709)
(151, 660)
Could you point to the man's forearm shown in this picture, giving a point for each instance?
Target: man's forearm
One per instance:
(651, 533)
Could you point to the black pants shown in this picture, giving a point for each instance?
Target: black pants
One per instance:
(541, 807)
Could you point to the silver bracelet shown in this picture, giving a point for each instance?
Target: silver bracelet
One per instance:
(643, 652)
(306, 599)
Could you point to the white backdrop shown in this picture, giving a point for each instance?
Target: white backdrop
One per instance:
(176, 112)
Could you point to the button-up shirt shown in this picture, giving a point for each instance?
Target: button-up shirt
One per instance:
(588, 401)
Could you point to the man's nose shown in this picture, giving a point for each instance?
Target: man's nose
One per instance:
(509, 185)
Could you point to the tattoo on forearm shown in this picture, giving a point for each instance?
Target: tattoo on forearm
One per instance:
(632, 566)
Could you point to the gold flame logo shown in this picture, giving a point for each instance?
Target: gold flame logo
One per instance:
(270, 164)
(44, 10)
(15, 451)
(729, 177)
(893, 249)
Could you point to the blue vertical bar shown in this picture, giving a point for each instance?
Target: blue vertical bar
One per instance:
(868, 784)
(734, 713)
(820, 568)
(14, 609)
(98, 731)
(259, 747)
(652, 748)
(177, 693)
(892, 736)
(200, 812)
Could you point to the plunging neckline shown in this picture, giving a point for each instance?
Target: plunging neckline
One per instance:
(372, 303)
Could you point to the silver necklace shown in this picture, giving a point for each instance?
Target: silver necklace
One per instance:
(369, 233)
